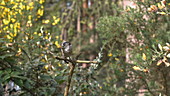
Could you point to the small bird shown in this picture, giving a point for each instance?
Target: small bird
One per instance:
(66, 50)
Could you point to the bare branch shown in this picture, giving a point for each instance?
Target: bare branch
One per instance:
(72, 67)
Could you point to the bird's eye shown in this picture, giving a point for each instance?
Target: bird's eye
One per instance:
(64, 43)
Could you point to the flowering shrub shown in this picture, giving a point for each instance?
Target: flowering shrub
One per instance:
(26, 43)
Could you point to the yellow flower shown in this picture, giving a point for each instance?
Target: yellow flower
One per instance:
(9, 37)
(56, 37)
(56, 21)
(12, 2)
(31, 4)
(6, 22)
(21, 6)
(5, 28)
(46, 67)
(13, 20)
(54, 17)
(20, 11)
(29, 17)
(12, 13)
(11, 25)
(18, 25)
(15, 29)
(41, 1)
(39, 34)
(42, 54)
(46, 37)
(53, 24)
(59, 65)
(15, 6)
(29, 23)
(117, 59)
(42, 7)
(40, 12)
(6, 10)
(45, 21)
(110, 54)
(136, 68)
(2, 2)
(43, 60)
(57, 44)
(35, 33)
(27, 7)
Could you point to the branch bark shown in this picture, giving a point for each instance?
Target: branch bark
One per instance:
(76, 61)
(72, 67)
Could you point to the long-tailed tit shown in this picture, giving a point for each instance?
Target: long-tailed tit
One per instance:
(66, 50)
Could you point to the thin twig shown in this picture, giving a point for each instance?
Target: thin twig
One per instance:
(72, 67)
(75, 61)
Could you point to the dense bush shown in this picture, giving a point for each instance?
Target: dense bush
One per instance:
(25, 46)
(138, 64)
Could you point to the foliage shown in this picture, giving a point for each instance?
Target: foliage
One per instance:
(28, 36)
(25, 46)
(130, 40)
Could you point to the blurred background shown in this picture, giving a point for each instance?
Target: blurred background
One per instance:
(128, 39)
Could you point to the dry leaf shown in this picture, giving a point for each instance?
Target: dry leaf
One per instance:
(166, 48)
(159, 62)
(167, 64)
(168, 56)
(160, 47)
(144, 56)
(136, 68)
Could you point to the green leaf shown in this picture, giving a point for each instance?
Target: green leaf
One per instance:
(19, 82)
(27, 84)
(45, 77)
(59, 79)
(20, 77)
(6, 77)
(51, 91)
(5, 56)
(15, 73)
(1, 72)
